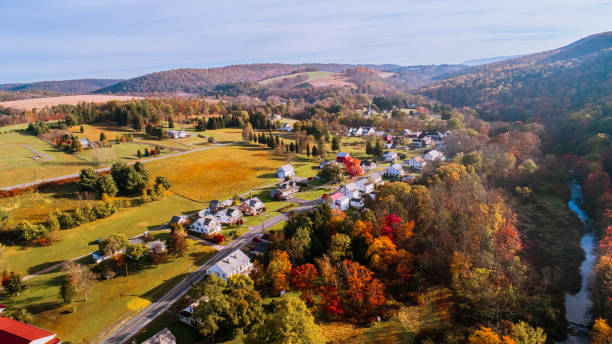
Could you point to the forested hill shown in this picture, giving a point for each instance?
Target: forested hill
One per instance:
(204, 80)
(79, 86)
(541, 86)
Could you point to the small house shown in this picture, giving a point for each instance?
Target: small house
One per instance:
(285, 171)
(85, 143)
(287, 127)
(365, 185)
(177, 134)
(206, 225)
(285, 190)
(365, 131)
(375, 178)
(395, 171)
(203, 212)
(253, 206)
(234, 263)
(186, 314)
(350, 190)
(415, 134)
(215, 205)
(343, 157)
(367, 165)
(162, 337)
(417, 162)
(179, 219)
(390, 156)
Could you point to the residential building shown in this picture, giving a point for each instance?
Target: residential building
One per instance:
(395, 171)
(15, 332)
(390, 156)
(342, 157)
(235, 263)
(229, 216)
(215, 205)
(417, 162)
(341, 203)
(406, 132)
(206, 225)
(367, 165)
(357, 203)
(285, 171)
(179, 219)
(253, 206)
(285, 190)
(365, 131)
(85, 143)
(375, 178)
(287, 127)
(203, 212)
(162, 337)
(434, 155)
(350, 190)
(365, 185)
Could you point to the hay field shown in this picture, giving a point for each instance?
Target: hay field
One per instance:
(39, 103)
(218, 173)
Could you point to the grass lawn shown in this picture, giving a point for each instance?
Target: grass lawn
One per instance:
(218, 173)
(18, 166)
(109, 302)
(92, 131)
(82, 240)
(313, 194)
(224, 135)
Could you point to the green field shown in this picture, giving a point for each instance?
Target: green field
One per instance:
(109, 302)
(81, 240)
(311, 76)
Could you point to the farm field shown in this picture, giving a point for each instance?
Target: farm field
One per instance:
(224, 135)
(23, 165)
(39, 103)
(82, 240)
(119, 298)
(310, 75)
(218, 173)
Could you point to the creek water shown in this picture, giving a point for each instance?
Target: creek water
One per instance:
(577, 307)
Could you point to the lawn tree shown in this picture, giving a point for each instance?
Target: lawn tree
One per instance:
(278, 270)
(170, 122)
(67, 292)
(377, 150)
(315, 151)
(308, 150)
(137, 252)
(336, 144)
(79, 277)
(163, 181)
(177, 243)
(291, 322)
(82, 129)
(102, 136)
(158, 254)
(331, 174)
(12, 283)
(247, 132)
(139, 154)
(114, 244)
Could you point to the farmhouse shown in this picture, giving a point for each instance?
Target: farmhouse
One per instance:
(235, 263)
(367, 165)
(365, 131)
(253, 206)
(177, 134)
(343, 157)
(162, 337)
(390, 156)
(203, 212)
(365, 185)
(285, 190)
(15, 332)
(285, 171)
(206, 225)
(341, 203)
(186, 314)
(418, 162)
(394, 171)
(357, 203)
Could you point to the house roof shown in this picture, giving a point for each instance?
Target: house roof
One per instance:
(206, 220)
(232, 262)
(418, 158)
(286, 167)
(177, 219)
(162, 337)
(343, 155)
(396, 167)
(334, 195)
(351, 186)
(15, 332)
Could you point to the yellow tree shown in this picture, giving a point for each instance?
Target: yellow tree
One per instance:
(601, 333)
(278, 269)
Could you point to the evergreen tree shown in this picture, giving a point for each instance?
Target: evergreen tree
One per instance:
(315, 151)
(82, 129)
(308, 150)
(336, 144)
(170, 122)
(102, 136)
(368, 148)
(291, 147)
(139, 154)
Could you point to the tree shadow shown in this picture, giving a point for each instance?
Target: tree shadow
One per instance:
(39, 267)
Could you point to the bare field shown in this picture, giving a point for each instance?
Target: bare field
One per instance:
(39, 103)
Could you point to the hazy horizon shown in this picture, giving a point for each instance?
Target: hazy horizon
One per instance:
(68, 39)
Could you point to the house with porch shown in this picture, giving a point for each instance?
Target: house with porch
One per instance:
(285, 190)
(253, 206)
(417, 162)
(285, 171)
(206, 225)
(235, 263)
(395, 171)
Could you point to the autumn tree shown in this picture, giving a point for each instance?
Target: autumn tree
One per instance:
(177, 243)
(158, 254)
(114, 244)
(303, 279)
(247, 132)
(522, 333)
(339, 246)
(601, 332)
(79, 277)
(278, 271)
(352, 167)
(13, 284)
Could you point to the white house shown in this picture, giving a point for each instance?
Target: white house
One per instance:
(229, 216)
(366, 186)
(390, 156)
(406, 132)
(162, 337)
(85, 143)
(287, 127)
(253, 206)
(434, 155)
(367, 165)
(417, 162)
(365, 131)
(285, 171)
(235, 263)
(375, 178)
(395, 171)
(206, 225)
(350, 190)
(342, 203)
(177, 134)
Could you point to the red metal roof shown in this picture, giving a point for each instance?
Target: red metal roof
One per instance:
(15, 332)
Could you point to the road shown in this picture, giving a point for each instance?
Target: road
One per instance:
(106, 169)
(165, 302)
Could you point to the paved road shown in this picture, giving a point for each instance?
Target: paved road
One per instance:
(105, 169)
(163, 304)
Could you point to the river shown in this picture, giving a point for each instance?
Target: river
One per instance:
(577, 307)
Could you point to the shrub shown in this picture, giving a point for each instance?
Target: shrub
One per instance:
(29, 231)
(218, 238)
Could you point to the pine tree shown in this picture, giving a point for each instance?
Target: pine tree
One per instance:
(170, 122)
(291, 147)
(308, 150)
(139, 154)
(315, 151)
(82, 129)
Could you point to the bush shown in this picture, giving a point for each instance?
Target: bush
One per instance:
(29, 231)
(218, 238)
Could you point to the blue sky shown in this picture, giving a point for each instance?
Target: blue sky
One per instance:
(67, 39)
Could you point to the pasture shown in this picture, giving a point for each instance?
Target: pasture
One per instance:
(39, 103)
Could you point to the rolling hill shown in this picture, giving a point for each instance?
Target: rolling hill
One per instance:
(78, 86)
(540, 86)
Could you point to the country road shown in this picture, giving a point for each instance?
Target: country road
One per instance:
(158, 307)
(105, 169)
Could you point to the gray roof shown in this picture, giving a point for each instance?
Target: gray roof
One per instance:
(233, 262)
(162, 337)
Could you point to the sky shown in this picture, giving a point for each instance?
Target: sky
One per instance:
(69, 39)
